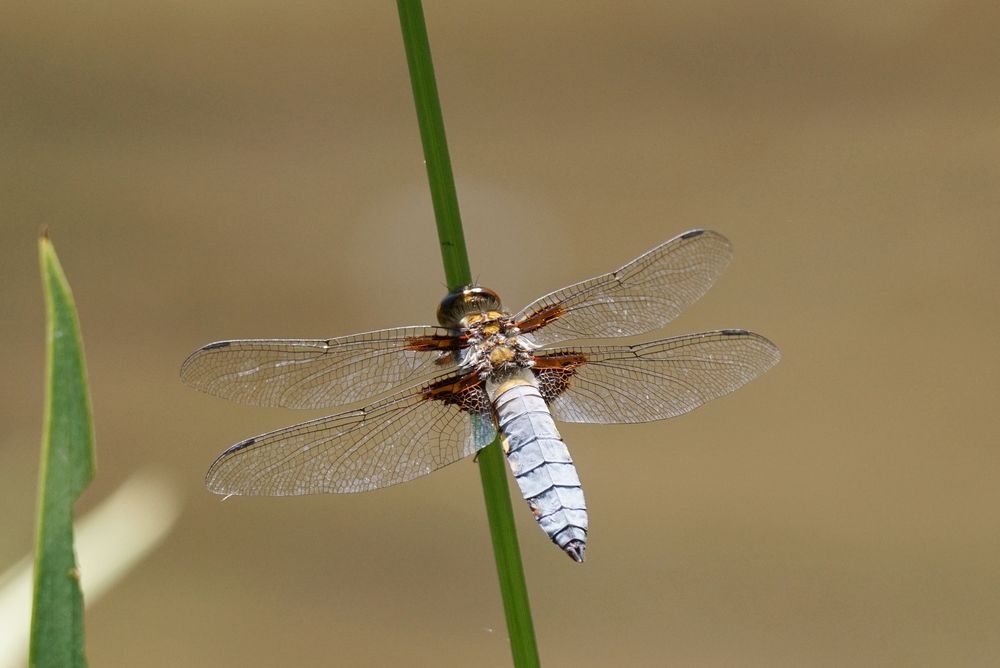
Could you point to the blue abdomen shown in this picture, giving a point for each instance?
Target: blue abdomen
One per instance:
(541, 464)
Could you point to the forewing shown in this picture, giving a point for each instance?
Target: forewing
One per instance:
(391, 441)
(644, 295)
(319, 373)
(650, 381)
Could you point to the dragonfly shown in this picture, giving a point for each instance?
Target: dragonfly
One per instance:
(483, 372)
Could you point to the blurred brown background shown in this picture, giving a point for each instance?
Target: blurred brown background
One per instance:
(223, 170)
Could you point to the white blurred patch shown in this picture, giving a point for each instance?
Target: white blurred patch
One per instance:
(110, 540)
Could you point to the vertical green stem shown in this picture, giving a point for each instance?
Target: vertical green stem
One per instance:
(457, 273)
(439, 175)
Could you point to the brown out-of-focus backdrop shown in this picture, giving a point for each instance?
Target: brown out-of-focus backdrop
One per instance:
(225, 170)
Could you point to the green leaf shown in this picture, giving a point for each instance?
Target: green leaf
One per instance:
(67, 467)
(506, 552)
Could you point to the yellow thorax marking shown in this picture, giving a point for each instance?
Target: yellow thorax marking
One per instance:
(474, 318)
(501, 355)
(510, 384)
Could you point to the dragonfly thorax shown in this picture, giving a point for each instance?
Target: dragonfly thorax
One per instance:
(495, 344)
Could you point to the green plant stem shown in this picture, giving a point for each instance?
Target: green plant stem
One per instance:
(456, 267)
(439, 175)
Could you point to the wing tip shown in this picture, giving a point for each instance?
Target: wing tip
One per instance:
(239, 446)
(710, 236)
(771, 346)
(215, 479)
(190, 363)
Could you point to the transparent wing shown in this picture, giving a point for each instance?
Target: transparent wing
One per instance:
(391, 441)
(644, 295)
(650, 381)
(318, 373)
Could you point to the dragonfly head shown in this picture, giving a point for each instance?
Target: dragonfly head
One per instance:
(465, 301)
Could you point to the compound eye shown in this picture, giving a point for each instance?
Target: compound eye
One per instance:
(467, 301)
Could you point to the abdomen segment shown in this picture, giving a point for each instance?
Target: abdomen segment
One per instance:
(541, 464)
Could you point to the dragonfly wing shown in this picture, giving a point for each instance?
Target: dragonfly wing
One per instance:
(391, 441)
(644, 295)
(319, 373)
(650, 381)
